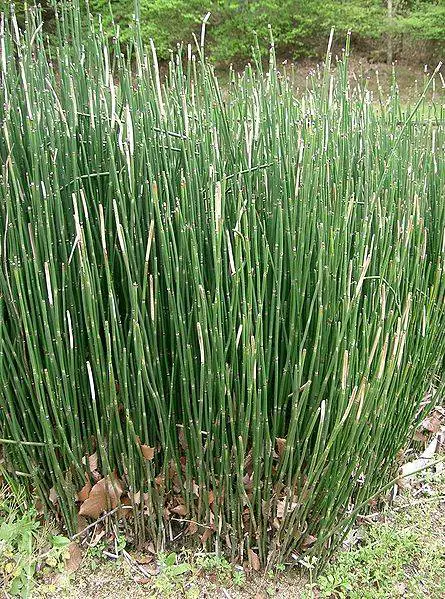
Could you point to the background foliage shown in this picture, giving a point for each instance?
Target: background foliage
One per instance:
(300, 27)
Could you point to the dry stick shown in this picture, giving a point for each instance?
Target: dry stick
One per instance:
(93, 524)
(191, 522)
(135, 564)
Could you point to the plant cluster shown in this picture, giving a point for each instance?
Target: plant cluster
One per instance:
(221, 310)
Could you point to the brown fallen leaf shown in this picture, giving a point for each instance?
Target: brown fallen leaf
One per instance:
(82, 523)
(148, 452)
(126, 506)
(254, 560)
(160, 480)
(418, 436)
(97, 538)
(144, 559)
(195, 488)
(181, 437)
(206, 535)
(180, 510)
(82, 495)
(283, 506)
(432, 424)
(308, 541)
(53, 496)
(104, 496)
(281, 446)
(248, 482)
(74, 559)
(92, 462)
(136, 497)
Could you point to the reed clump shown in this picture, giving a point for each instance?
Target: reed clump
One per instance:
(222, 309)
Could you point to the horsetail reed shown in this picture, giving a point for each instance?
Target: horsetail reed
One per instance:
(221, 307)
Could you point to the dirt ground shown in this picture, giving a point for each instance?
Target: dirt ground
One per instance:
(410, 77)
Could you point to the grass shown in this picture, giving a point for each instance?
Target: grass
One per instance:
(221, 315)
(403, 556)
(29, 549)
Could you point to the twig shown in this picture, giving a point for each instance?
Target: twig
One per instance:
(93, 524)
(135, 564)
(191, 522)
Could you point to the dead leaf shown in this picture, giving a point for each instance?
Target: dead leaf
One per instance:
(281, 446)
(206, 535)
(126, 507)
(144, 559)
(283, 506)
(148, 452)
(81, 523)
(103, 496)
(151, 548)
(180, 510)
(192, 528)
(82, 495)
(248, 482)
(92, 462)
(211, 497)
(248, 463)
(418, 436)
(142, 580)
(254, 560)
(430, 450)
(97, 538)
(53, 496)
(160, 480)
(72, 563)
(181, 436)
(265, 508)
(308, 541)
(431, 424)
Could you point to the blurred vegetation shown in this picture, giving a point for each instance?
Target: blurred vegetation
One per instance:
(416, 28)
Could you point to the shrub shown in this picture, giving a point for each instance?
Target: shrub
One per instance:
(220, 308)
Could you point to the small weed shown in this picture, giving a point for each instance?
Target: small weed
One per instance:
(239, 578)
(29, 553)
(217, 566)
(402, 557)
(17, 566)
